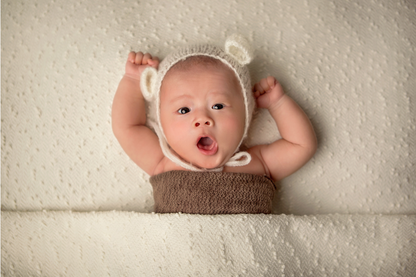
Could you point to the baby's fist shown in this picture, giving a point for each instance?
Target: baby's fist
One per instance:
(267, 92)
(137, 63)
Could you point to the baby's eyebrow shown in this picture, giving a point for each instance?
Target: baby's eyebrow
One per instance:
(181, 97)
(220, 93)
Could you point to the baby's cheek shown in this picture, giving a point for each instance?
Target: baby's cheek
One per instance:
(176, 131)
(234, 127)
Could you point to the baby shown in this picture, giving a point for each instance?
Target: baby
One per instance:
(204, 104)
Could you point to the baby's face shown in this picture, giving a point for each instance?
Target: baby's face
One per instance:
(202, 114)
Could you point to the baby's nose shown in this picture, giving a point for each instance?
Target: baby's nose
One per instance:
(204, 122)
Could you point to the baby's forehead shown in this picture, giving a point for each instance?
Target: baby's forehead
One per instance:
(203, 62)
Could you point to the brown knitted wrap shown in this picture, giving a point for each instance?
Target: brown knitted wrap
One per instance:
(212, 193)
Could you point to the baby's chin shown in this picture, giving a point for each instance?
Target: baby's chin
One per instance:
(208, 162)
(207, 165)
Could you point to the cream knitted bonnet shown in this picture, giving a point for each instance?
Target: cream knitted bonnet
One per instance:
(237, 55)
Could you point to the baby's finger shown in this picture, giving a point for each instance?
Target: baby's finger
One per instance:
(258, 89)
(131, 57)
(139, 58)
(271, 81)
(257, 94)
(153, 62)
(146, 58)
(264, 84)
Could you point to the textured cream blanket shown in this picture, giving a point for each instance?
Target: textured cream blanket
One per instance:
(134, 244)
(349, 64)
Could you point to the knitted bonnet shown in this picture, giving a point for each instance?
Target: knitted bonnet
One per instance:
(236, 56)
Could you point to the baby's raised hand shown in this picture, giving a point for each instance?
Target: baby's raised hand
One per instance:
(267, 92)
(137, 62)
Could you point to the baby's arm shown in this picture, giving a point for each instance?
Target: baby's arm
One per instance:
(129, 115)
(298, 143)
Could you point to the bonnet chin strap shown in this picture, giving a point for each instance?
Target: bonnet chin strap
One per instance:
(238, 159)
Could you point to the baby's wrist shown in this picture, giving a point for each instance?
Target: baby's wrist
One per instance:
(132, 77)
(277, 95)
(278, 101)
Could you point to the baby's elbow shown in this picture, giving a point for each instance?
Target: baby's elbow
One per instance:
(117, 130)
(312, 147)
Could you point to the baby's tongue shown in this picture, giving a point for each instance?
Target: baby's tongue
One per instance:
(205, 143)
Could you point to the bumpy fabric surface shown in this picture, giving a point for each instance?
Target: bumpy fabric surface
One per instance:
(138, 244)
(212, 193)
(349, 64)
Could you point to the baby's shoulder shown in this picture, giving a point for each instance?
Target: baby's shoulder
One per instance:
(166, 165)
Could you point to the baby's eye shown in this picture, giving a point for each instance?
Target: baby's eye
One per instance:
(184, 110)
(217, 106)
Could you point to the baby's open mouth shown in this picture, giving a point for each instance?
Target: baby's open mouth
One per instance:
(207, 145)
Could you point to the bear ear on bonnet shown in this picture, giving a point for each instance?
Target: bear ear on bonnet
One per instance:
(147, 83)
(239, 48)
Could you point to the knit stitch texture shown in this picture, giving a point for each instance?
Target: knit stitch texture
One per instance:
(212, 193)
